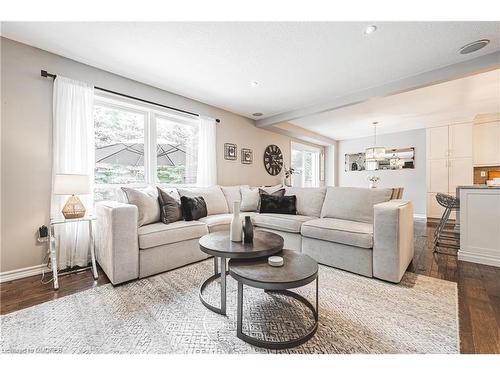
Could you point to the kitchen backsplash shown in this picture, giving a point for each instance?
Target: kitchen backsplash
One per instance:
(478, 178)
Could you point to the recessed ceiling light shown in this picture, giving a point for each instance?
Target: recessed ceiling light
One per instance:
(474, 46)
(370, 29)
(257, 114)
(254, 83)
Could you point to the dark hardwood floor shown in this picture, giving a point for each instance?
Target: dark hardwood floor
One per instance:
(478, 291)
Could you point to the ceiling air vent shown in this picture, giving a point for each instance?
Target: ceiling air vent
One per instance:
(474, 46)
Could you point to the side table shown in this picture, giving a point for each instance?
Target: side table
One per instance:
(52, 248)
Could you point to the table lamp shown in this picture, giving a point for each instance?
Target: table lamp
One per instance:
(72, 184)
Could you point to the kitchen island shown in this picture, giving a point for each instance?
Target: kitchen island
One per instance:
(479, 224)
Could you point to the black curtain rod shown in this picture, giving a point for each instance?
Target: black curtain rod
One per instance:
(44, 73)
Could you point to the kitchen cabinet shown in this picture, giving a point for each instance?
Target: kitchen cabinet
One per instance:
(449, 163)
(486, 140)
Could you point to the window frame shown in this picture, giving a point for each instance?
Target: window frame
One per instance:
(151, 113)
(303, 147)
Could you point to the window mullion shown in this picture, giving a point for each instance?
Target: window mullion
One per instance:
(151, 149)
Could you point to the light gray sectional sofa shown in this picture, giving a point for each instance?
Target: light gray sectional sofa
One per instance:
(355, 229)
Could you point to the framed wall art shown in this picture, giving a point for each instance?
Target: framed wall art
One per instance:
(230, 151)
(246, 156)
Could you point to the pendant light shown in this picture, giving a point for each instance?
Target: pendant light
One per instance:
(375, 153)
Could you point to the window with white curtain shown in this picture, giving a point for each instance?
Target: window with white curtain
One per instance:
(139, 144)
(306, 165)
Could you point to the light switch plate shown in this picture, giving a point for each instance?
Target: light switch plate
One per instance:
(483, 173)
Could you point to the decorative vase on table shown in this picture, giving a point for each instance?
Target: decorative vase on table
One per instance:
(373, 181)
(248, 230)
(236, 225)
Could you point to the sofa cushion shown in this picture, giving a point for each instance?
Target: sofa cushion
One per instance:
(309, 200)
(347, 232)
(353, 203)
(232, 194)
(159, 234)
(213, 196)
(286, 223)
(146, 200)
(221, 222)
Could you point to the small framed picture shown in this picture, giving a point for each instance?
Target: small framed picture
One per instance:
(230, 151)
(246, 156)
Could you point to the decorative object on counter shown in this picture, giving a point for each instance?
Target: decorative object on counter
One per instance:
(236, 225)
(273, 160)
(373, 181)
(375, 153)
(72, 184)
(248, 230)
(230, 151)
(246, 156)
(275, 261)
(395, 159)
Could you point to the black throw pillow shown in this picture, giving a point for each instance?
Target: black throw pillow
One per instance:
(270, 204)
(170, 208)
(277, 193)
(193, 208)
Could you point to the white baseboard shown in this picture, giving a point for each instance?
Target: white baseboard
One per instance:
(22, 272)
(479, 258)
(420, 217)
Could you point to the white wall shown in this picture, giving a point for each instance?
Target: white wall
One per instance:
(26, 134)
(413, 180)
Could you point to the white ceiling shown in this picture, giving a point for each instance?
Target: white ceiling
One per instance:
(296, 64)
(454, 101)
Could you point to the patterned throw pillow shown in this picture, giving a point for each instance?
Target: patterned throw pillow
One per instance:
(170, 208)
(270, 204)
(193, 208)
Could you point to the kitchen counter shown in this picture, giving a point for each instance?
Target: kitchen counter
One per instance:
(477, 187)
(479, 224)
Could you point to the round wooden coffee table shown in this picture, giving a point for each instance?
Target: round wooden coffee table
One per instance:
(297, 270)
(221, 247)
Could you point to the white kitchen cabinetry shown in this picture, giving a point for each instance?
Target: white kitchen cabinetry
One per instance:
(449, 163)
(486, 139)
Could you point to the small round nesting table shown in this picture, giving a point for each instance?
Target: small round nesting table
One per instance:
(221, 247)
(298, 270)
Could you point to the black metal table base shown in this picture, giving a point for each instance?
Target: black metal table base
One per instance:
(222, 309)
(277, 344)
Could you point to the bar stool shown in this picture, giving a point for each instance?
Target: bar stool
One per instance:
(446, 237)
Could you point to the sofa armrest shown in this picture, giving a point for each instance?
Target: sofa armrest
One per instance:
(393, 245)
(117, 241)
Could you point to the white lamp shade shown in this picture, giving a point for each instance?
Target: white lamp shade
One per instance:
(375, 153)
(69, 184)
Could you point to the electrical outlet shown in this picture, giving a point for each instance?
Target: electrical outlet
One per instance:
(483, 173)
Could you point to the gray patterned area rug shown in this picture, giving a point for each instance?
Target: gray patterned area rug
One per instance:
(162, 314)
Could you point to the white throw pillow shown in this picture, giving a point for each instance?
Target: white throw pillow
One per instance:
(146, 200)
(232, 194)
(213, 196)
(249, 199)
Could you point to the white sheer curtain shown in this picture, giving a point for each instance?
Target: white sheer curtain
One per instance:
(206, 173)
(73, 152)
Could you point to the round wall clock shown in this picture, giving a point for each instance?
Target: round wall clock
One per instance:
(273, 160)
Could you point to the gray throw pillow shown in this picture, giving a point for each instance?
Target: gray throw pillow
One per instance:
(170, 208)
(146, 201)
